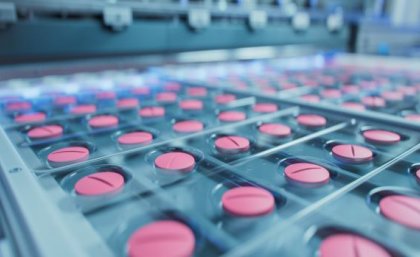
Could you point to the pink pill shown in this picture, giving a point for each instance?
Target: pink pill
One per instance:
(368, 85)
(162, 239)
(275, 130)
(175, 161)
(232, 144)
(311, 120)
(188, 126)
(413, 117)
(418, 174)
(402, 209)
(392, 96)
(44, 132)
(247, 201)
(373, 101)
(307, 173)
(265, 107)
(31, 117)
(141, 91)
(311, 98)
(166, 97)
(106, 95)
(350, 245)
(352, 153)
(351, 89)
(409, 91)
(99, 183)
(18, 106)
(331, 93)
(380, 136)
(84, 109)
(197, 91)
(192, 105)
(172, 86)
(152, 112)
(103, 121)
(225, 98)
(288, 85)
(65, 100)
(68, 155)
(128, 103)
(354, 105)
(134, 138)
(231, 116)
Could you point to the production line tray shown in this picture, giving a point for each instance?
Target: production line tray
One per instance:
(261, 161)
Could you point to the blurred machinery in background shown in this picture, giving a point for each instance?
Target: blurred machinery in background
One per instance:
(57, 29)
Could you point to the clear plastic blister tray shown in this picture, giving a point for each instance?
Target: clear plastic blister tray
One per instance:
(135, 163)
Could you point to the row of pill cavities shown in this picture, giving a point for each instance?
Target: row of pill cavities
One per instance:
(390, 98)
(229, 145)
(167, 165)
(349, 95)
(21, 111)
(178, 163)
(329, 77)
(151, 114)
(269, 133)
(273, 81)
(247, 205)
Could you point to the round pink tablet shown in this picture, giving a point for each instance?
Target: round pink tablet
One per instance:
(352, 153)
(311, 120)
(350, 245)
(331, 93)
(172, 86)
(128, 103)
(402, 209)
(374, 101)
(191, 104)
(65, 100)
(380, 136)
(83, 109)
(18, 106)
(99, 183)
(354, 105)
(134, 138)
(166, 97)
(350, 89)
(188, 126)
(31, 117)
(247, 201)
(231, 116)
(197, 91)
(162, 239)
(311, 98)
(309, 173)
(106, 95)
(265, 107)
(392, 95)
(232, 144)
(103, 121)
(275, 129)
(152, 112)
(412, 117)
(141, 91)
(68, 155)
(225, 98)
(288, 85)
(44, 132)
(409, 91)
(418, 174)
(175, 161)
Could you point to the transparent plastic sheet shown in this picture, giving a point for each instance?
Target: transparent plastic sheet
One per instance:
(303, 214)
